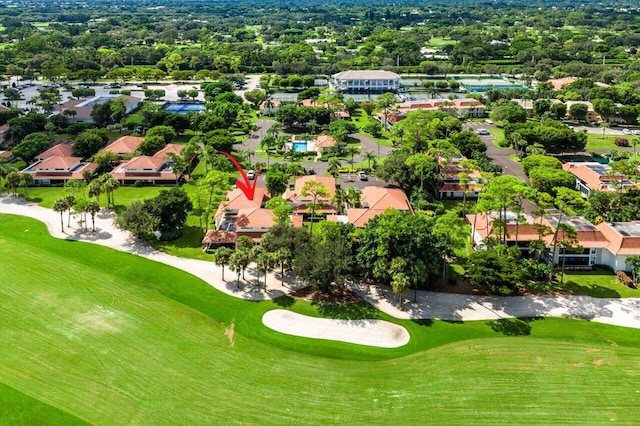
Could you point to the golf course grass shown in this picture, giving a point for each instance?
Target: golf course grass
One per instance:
(93, 335)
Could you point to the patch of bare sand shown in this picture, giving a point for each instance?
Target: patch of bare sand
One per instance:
(229, 333)
(382, 334)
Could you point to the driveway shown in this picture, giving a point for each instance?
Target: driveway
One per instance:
(501, 157)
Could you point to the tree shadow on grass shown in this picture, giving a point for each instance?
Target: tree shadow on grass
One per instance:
(284, 301)
(349, 311)
(423, 322)
(512, 326)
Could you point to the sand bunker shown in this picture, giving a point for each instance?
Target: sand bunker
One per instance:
(378, 333)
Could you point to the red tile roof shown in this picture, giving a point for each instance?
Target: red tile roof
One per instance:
(60, 150)
(124, 145)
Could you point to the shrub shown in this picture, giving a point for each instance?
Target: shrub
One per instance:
(624, 279)
(622, 142)
(616, 155)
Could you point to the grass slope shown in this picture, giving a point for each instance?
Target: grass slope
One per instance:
(115, 339)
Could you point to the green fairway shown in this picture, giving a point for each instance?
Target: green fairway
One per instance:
(98, 336)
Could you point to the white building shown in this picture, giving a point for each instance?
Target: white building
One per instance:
(366, 81)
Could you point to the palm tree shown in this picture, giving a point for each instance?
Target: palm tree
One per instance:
(13, 180)
(316, 190)
(222, 257)
(282, 256)
(340, 198)
(109, 185)
(235, 264)
(60, 206)
(95, 189)
(313, 125)
(26, 180)
(69, 201)
(352, 151)
(370, 157)
(93, 207)
(265, 262)
(400, 281)
(333, 168)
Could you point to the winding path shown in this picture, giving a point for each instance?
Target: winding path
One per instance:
(428, 305)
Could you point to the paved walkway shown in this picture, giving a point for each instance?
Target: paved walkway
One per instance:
(429, 305)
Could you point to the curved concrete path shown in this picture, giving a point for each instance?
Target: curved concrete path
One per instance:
(429, 305)
(383, 334)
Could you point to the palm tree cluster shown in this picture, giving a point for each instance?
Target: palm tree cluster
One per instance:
(78, 199)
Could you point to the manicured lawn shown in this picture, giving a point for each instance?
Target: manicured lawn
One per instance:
(596, 141)
(46, 196)
(594, 283)
(440, 41)
(95, 335)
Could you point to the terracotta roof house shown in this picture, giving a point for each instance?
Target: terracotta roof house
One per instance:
(606, 244)
(59, 150)
(6, 155)
(238, 216)
(592, 115)
(323, 142)
(124, 145)
(146, 170)
(527, 104)
(592, 176)
(83, 107)
(314, 103)
(170, 148)
(624, 241)
(559, 83)
(374, 200)
(58, 170)
(270, 107)
(451, 186)
(155, 169)
(365, 81)
(463, 107)
(299, 202)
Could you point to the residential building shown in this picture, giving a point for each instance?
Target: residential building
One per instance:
(83, 107)
(59, 150)
(592, 115)
(59, 169)
(124, 146)
(238, 216)
(270, 106)
(374, 201)
(365, 81)
(300, 203)
(461, 108)
(451, 176)
(341, 114)
(624, 241)
(592, 176)
(605, 244)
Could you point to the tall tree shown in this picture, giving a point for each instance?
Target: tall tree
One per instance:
(222, 257)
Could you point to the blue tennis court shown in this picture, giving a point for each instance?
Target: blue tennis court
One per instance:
(180, 108)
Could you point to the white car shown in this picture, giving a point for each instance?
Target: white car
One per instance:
(627, 132)
(482, 132)
(251, 175)
(362, 175)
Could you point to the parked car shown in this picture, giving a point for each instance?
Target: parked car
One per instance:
(482, 132)
(362, 175)
(627, 132)
(251, 175)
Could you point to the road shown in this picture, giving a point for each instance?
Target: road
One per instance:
(501, 157)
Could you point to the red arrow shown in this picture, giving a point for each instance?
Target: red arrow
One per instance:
(245, 185)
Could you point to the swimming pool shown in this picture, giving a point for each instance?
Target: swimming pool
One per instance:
(181, 108)
(300, 146)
